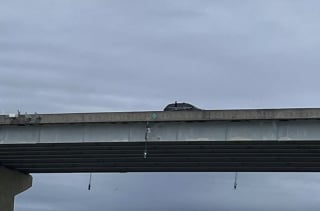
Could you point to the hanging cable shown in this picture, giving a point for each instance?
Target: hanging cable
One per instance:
(235, 184)
(89, 185)
(146, 136)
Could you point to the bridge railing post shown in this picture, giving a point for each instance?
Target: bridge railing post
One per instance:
(11, 184)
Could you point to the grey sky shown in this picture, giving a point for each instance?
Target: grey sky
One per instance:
(124, 55)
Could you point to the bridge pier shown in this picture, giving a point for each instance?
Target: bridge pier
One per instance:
(12, 183)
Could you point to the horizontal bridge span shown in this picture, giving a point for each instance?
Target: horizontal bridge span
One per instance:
(277, 140)
(200, 156)
(258, 130)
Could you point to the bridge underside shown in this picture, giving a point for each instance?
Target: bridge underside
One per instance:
(177, 156)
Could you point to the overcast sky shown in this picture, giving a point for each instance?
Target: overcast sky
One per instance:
(132, 55)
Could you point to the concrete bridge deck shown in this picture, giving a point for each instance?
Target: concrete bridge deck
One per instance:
(164, 116)
(226, 140)
(268, 140)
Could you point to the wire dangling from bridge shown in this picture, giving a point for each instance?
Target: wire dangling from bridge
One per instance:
(146, 136)
(89, 185)
(235, 184)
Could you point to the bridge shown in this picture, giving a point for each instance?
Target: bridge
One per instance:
(264, 140)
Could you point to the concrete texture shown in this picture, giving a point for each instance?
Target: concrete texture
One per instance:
(163, 116)
(11, 184)
(250, 130)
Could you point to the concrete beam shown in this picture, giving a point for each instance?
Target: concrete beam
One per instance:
(163, 116)
(11, 184)
(251, 130)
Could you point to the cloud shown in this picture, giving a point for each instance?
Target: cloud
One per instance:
(250, 53)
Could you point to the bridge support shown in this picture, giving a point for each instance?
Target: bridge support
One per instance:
(11, 184)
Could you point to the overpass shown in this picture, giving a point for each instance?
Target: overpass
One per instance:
(265, 140)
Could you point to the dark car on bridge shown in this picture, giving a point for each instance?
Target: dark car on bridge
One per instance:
(181, 107)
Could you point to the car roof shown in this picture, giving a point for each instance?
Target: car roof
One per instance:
(180, 107)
